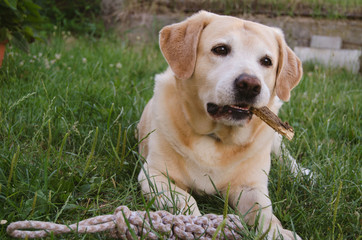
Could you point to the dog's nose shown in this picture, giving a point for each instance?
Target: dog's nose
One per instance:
(247, 86)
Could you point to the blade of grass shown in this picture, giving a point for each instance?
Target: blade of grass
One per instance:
(61, 151)
(119, 138)
(133, 234)
(84, 142)
(14, 161)
(63, 207)
(124, 142)
(226, 203)
(109, 116)
(336, 208)
(226, 206)
(46, 161)
(91, 154)
(116, 149)
(34, 204)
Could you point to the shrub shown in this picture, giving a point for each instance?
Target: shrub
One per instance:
(77, 16)
(18, 21)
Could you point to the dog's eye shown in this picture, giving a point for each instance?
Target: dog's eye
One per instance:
(221, 50)
(266, 61)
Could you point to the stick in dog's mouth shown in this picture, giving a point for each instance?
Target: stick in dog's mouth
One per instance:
(274, 121)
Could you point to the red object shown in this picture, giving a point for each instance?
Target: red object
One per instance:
(2, 51)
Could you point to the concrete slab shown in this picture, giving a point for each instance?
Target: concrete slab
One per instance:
(344, 58)
(326, 42)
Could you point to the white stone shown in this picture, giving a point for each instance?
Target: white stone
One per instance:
(326, 42)
(344, 58)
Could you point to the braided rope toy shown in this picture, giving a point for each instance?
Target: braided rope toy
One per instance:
(127, 224)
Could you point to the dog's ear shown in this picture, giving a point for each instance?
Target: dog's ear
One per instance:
(178, 43)
(289, 70)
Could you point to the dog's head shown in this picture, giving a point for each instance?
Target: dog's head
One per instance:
(226, 65)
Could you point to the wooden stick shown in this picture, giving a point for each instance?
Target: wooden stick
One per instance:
(274, 121)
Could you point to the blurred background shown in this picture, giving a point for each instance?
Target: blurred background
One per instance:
(142, 19)
(298, 19)
(77, 75)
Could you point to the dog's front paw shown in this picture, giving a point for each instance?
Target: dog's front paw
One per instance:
(283, 234)
(279, 233)
(306, 172)
(188, 206)
(177, 204)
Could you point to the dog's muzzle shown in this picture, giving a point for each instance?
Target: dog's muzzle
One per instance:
(246, 90)
(232, 112)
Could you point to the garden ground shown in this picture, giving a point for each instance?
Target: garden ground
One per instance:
(69, 109)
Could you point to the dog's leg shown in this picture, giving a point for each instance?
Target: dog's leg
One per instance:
(282, 152)
(166, 194)
(254, 204)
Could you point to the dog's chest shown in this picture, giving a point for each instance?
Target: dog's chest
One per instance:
(206, 180)
(209, 165)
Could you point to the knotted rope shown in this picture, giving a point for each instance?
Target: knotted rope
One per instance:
(126, 224)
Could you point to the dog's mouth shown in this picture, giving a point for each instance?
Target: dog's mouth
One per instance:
(235, 112)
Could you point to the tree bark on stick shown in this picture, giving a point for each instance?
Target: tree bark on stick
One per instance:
(274, 121)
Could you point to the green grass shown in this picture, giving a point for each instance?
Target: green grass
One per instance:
(68, 150)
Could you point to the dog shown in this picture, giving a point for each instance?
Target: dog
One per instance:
(197, 133)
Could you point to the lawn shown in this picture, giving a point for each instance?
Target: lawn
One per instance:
(69, 109)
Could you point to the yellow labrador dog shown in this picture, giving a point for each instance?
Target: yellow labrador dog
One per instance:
(198, 133)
